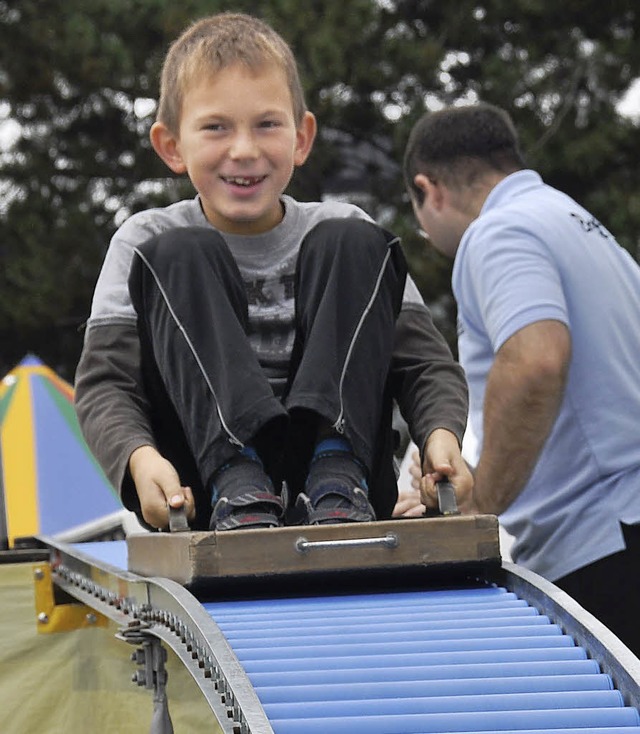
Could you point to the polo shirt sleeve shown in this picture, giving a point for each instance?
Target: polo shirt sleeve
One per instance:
(509, 279)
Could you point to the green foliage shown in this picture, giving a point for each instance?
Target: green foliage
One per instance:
(80, 79)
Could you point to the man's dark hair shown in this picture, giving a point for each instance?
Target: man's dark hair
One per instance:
(459, 144)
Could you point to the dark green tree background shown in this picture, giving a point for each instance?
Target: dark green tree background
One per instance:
(79, 79)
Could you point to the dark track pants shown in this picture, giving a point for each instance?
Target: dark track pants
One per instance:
(209, 393)
(608, 588)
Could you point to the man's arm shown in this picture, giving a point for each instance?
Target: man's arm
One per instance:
(524, 391)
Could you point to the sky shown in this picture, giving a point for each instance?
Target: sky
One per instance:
(630, 104)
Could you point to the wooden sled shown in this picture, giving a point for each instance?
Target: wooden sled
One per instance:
(213, 560)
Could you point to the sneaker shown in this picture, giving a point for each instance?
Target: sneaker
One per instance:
(242, 496)
(334, 502)
(253, 509)
(336, 488)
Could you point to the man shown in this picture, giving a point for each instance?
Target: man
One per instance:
(549, 337)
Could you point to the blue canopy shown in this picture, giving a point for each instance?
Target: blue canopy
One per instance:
(49, 480)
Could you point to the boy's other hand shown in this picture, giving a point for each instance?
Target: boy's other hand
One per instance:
(443, 460)
(158, 487)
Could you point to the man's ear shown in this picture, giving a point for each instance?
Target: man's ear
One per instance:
(305, 135)
(165, 144)
(433, 190)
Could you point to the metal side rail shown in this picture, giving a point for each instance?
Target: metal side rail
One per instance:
(164, 610)
(504, 653)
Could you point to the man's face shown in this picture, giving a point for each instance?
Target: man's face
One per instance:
(438, 216)
(432, 226)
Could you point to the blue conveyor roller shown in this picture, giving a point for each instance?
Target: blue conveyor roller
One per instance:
(461, 660)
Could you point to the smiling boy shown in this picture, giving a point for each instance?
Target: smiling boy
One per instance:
(242, 340)
(239, 149)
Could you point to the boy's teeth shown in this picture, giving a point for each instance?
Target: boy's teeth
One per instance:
(242, 180)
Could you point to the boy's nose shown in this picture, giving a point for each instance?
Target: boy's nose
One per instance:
(244, 145)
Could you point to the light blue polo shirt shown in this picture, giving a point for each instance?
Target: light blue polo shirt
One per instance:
(535, 254)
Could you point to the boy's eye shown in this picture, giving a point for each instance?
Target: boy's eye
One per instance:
(270, 123)
(214, 126)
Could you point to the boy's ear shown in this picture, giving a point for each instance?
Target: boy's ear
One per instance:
(165, 144)
(305, 135)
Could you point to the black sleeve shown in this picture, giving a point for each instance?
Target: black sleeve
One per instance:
(110, 402)
(427, 383)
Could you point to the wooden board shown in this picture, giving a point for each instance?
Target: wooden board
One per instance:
(198, 557)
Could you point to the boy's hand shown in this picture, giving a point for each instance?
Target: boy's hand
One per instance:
(443, 459)
(158, 486)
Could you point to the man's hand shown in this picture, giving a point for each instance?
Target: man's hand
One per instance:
(409, 503)
(158, 487)
(443, 460)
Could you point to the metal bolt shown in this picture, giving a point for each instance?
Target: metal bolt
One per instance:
(39, 574)
(91, 618)
(43, 618)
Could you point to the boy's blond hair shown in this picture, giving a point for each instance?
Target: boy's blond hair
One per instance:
(214, 43)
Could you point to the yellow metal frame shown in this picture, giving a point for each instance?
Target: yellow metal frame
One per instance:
(52, 617)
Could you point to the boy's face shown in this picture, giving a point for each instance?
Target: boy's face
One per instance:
(239, 144)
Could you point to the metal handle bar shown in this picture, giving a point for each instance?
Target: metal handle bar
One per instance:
(447, 501)
(302, 545)
(178, 520)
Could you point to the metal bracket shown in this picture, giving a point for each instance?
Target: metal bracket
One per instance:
(55, 616)
(150, 658)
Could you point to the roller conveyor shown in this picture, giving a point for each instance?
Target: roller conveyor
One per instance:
(416, 662)
(497, 650)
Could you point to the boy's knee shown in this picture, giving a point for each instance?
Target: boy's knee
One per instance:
(351, 234)
(345, 228)
(183, 244)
